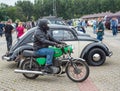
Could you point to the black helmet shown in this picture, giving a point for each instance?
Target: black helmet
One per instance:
(43, 24)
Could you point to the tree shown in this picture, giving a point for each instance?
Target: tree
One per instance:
(67, 9)
(3, 12)
(27, 8)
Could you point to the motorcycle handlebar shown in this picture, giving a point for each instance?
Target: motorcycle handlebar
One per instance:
(61, 45)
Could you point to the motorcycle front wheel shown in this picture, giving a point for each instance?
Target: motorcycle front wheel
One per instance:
(77, 71)
(27, 65)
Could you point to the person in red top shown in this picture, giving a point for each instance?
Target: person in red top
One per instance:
(20, 29)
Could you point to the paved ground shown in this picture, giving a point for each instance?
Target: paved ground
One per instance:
(102, 78)
(107, 76)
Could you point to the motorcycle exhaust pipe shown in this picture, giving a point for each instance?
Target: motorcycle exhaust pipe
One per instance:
(28, 71)
(5, 58)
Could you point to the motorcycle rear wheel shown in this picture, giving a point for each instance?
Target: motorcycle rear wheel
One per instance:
(78, 72)
(26, 66)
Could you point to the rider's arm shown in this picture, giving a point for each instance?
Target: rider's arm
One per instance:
(42, 39)
(55, 40)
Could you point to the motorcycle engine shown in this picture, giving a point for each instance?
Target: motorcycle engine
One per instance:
(57, 62)
(56, 70)
(57, 66)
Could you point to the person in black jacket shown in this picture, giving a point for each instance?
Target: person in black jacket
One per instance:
(42, 39)
(8, 30)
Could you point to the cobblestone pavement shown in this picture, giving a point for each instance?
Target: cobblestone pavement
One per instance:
(10, 81)
(107, 76)
(102, 78)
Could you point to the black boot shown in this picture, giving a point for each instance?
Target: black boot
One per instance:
(48, 69)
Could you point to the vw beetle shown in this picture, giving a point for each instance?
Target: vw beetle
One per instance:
(86, 47)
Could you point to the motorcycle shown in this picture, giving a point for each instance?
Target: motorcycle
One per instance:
(33, 65)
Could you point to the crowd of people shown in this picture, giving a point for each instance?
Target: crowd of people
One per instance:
(79, 23)
(20, 27)
(8, 27)
(99, 27)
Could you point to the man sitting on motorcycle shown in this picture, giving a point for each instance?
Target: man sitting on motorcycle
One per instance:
(42, 39)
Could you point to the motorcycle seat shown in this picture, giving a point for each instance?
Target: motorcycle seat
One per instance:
(30, 53)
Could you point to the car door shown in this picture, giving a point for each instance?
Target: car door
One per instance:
(68, 37)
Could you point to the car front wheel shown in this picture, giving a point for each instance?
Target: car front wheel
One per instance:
(96, 57)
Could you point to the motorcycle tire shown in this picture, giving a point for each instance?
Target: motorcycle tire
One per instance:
(78, 71)
(26, 66)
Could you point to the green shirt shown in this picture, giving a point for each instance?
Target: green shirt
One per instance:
(100, 28)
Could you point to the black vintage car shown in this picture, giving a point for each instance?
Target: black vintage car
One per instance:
(55, 20)
(92, 50)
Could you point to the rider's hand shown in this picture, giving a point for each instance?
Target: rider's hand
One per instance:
(58, 45)
(55, 44)
(63, 43)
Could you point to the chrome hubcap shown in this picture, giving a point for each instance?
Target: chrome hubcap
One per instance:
(96, 57)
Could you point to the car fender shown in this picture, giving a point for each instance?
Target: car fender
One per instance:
(21, 49)
(90, 46)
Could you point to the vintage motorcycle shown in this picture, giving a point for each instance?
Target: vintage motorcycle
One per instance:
(33, 65)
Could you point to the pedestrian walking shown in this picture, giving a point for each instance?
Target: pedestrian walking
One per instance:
(20, 29)
(69, 22)
(94, 26)
(100, 29)
(28, 25)
(1, 28)
(84, 25)
(8, 29)
(1, 31)
(114, 25)
(117, 24)
(33, 23)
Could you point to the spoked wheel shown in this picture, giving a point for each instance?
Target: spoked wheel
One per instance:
(77, 72)
(34, 67)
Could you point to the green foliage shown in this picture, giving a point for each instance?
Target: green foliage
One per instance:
(25, 10)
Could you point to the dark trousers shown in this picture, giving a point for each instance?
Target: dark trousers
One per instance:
(100, 37)
(1, 32)
(9, 42)
(114, 30)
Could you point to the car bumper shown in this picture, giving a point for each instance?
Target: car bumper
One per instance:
(110, 53)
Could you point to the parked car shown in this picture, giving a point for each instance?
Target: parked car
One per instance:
(60, 21)
(92, 50)
(108, 18)
(55, 20)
